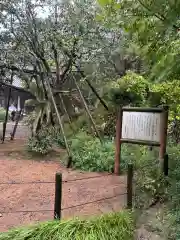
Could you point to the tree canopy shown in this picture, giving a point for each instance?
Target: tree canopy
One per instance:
(104, 47)
(153, 30)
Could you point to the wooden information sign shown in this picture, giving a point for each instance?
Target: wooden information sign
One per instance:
(145, 126)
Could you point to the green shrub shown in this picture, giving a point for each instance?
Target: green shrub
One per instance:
(105, 120)
(174, 188)
(130, 89)
(40, 144)
(56, 137)
(82, 121)
(114, 226)
(150, 183)
(152, 187)
(2, 114)
(89, 155)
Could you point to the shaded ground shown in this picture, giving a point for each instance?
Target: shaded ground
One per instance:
(23, 197)
(21, 132)
(152, 225)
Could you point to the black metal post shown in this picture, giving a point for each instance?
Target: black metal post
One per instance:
(166, 164)
(6, 116)
(69, 163)
(58, 196)
(129, 186)
(16, 124)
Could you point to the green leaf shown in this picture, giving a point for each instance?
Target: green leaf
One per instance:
(117, 6)
(104, 3)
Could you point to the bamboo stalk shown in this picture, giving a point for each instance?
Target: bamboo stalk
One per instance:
(92, 88)
(87, 109)
(64, 108)
(59, 117)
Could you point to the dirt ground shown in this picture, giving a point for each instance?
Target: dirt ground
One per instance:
(22, 131)
(40, 196)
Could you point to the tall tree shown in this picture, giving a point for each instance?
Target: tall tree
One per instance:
(153, 31)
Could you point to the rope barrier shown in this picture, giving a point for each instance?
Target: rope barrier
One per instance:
(53, 182)
(66, 208)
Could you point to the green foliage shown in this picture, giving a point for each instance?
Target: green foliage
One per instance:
(55, 135)
(105, 120)
(169, 93)
(130, 89)
(150, 184)
(29, 119)
(2, 114)
(174, 189)
(81, 123)
(90, 155)
(151, 187)
(41, 143)
(114, 226)
(42, 108)
(152, 28)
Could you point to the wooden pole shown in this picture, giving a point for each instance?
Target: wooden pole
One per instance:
(58, 196)
(164, 126)
(64, 108)
(58, 116)
(87, 109)
(92, 88)
(130, 186)
(118, 142)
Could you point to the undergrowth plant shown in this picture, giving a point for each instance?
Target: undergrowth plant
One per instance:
(152, 188)
(2, 114)
(114, 226)
(41, 143)
(130, 89)
(150, 185)
(56, 136)
(45, 139)
(174, 189)
(90, 155)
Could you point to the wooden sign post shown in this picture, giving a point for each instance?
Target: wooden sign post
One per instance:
(144, 126)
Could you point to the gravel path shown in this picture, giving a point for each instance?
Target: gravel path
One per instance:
(29, 197)
(22, 131)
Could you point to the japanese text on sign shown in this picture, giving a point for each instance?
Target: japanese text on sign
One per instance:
(144, 126)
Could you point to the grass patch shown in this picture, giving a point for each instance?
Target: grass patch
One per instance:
(114, 226)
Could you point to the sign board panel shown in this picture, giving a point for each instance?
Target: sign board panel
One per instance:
(143, 126)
